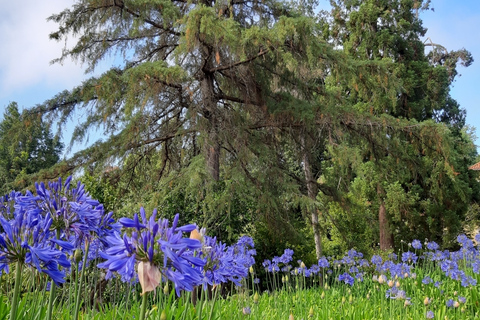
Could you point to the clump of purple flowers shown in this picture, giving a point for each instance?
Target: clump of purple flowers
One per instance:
(158, 250)
(224, 263)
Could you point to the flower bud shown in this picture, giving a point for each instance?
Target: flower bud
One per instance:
(163, 316)
(78, 255)
(166, 289)
(255, 298)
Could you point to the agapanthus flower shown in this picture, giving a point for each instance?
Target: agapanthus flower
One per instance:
(392, 256)
(286, 256)
(376, 260)
(246, 311)
(432, 245)
(348, 279)
(224, 263)
(430, 314)
(427, 280)
(409, 257)
(75, 215)
(158, 250)
(449, 303)
(323, 263)
(416, 244)
(26, 238)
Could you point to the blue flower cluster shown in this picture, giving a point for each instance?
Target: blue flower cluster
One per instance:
(48, 229)
(42, 230)
(224, 263)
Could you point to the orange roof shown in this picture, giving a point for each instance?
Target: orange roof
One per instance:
(476, 166)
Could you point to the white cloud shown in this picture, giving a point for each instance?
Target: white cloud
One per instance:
(26, 50)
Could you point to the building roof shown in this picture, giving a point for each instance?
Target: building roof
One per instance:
(476, 166)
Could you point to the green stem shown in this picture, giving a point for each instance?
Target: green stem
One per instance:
(53, 293)
(16, 291)
(144, 306)
(213, 304)
(53, 289)
(82, 275)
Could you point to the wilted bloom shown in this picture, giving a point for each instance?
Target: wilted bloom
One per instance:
(382, 279)
(427, 301)
(456, 304)
(149, 276)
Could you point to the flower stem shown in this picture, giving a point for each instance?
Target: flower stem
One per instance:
(144, 306)
(82, 275)
(53, 293)
(16, 291)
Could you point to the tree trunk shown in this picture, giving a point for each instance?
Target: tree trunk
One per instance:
(386, 237)
(213, 156)
(312, 191)
(210, 112)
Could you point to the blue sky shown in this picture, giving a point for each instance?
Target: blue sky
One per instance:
(27, 77)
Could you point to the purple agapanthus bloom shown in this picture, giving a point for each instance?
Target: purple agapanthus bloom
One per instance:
(427, 280)
(156, 247)
(432, 245)
(376, 260)
(348, 279)
(287, 256)
(409, 257)
(323, 263)
(416, 244)
(224, 263)
(26, 238)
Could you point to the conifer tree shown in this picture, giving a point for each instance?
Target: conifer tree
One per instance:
(26, 146)
(392, 30)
